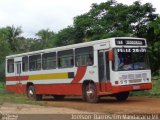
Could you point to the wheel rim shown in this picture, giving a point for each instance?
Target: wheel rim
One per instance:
(90, 93)
(30, 93)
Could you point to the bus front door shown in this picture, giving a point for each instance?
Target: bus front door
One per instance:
(103, 69)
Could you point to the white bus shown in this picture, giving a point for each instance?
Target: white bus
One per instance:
(108, 67)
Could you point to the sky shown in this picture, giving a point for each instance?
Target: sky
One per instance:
(34, 15)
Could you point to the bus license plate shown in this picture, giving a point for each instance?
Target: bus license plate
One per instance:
(136, 87)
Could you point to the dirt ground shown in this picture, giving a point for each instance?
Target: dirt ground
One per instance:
(73, 108)
(134, 105)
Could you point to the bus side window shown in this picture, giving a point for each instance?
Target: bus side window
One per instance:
(49, 61)
(84, 56)
(65, 59)
(90, 60)
(35, 62)
(10, 65)
(25, 63)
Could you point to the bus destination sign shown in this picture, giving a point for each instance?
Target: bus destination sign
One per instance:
(130, 42)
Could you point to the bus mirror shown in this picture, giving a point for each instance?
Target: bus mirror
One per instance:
(110, 55)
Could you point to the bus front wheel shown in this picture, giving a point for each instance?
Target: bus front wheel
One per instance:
(122, 96)
(91, 93)
(31, 93)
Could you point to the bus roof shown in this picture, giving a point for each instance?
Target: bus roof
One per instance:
(85, 44)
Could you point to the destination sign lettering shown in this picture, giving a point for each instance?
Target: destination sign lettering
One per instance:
(130, 42)
(131, 49)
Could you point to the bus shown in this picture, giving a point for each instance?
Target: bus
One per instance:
(107, 67)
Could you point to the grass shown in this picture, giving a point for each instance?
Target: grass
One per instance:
(155, 91)
(8, 97)
(2, 86)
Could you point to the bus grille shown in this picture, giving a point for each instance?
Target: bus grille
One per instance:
(133, 78)
(130, 76)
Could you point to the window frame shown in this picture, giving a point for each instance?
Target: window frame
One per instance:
(8, 69)
(55, 60)
(23, 70)
(66, 54)
(87, 53)
(36, 67)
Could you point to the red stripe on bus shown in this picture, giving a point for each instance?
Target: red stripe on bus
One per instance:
(17, 78)
(80, 74)
(52, 89)
(19, 89)
(74, 89)
(59, 89)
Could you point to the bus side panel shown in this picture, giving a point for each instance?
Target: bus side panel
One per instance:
(59, 89)
(19, 89)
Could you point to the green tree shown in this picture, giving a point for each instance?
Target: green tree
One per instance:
(4, 51)
(82, 25)
(154, 49)
(111, 19)
(45, 37)
(12, 34)
(65, 37)
(102, 21)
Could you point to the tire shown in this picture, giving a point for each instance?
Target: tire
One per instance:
(122, 96)
(91, 93)
(59, 97)
(31, 94)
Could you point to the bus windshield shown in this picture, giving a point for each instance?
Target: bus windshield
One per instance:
(130, 59)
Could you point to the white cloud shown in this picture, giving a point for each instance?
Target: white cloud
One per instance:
(34, 15)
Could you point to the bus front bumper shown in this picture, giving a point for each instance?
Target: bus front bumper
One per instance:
(134, 87)
(125, 88)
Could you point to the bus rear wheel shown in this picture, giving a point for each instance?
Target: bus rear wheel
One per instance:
(91, 93)
(122, 96)
(31, 94)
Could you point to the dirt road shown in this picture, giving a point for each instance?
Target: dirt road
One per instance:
(69, 108)
(134, 105)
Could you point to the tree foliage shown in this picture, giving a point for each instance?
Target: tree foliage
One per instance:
(65, 37)
(111, 19)
(11, 34)
(44, 37)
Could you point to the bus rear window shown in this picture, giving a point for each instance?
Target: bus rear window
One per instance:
(10, 65)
